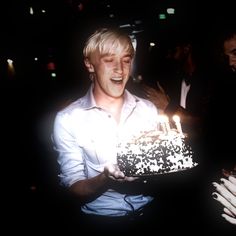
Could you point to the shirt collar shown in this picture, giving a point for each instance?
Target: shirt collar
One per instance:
(88, 101)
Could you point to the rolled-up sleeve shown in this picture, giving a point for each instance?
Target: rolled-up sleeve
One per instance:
(70, 155)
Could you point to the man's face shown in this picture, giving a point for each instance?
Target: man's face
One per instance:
(230, 52)
(112, 72)
(177, 56)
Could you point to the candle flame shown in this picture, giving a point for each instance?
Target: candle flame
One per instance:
(176, 118)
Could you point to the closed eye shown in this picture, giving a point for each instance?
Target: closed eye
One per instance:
(127, 60)
(108, 60)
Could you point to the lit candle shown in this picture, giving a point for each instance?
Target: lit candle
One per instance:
(162, 123)
(176, 119)
(166, 123)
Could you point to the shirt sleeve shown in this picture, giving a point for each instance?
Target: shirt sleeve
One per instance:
(70, 155)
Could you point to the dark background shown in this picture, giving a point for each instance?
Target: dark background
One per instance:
(31, 97)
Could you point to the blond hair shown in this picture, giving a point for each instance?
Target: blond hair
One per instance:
(108, 41)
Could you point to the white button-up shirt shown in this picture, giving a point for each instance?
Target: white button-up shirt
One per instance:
(86, 138)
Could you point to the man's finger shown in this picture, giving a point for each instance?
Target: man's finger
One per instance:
(130, 179)
(118, 174)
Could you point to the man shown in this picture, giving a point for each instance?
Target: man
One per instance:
(182, 86)
(222, 102)
(229, 47)
(86, 134)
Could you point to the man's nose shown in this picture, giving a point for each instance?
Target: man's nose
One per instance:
(118, 67)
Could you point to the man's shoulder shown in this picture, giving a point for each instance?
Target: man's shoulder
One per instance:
(72, 113)
(144, 102)
(138, 99)
(70, 106)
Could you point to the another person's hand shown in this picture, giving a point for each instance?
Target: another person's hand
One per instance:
(113, 172)
(227, 172)
(226, 195)
(157, 96)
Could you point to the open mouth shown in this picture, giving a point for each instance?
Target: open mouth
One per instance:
(117, 80)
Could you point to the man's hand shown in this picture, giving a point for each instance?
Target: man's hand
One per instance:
(226, 195)
(113, 172)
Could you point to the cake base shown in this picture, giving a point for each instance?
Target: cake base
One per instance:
(155, 153)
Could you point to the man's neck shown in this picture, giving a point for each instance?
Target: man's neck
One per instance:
(111, 105)
(189, 66)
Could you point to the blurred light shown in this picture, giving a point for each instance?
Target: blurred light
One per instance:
(162, 16)
(134, 41)
(170, 10)
(152, 44)
(31, 11)
(137, 22)
(111, 15)
(10, 62)
(136, 31)
(53, 74)
(43, 11)
(80, 7)
(35, 58)
(10, 68)
(125, 26)
(51, 66)
(33, 188)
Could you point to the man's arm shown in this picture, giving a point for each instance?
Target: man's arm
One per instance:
(89, 189)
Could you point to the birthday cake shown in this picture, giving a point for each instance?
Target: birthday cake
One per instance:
(155, 152)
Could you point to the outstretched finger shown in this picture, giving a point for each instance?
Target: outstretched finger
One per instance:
(232, 179)
(130, 178)
(229, 185)
(228, 212)
(224, 202)
(160, 87)
(225, 192)
(230, 219)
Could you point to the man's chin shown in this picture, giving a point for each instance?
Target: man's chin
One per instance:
(117, 93)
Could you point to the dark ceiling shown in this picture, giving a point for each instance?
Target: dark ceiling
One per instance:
(26, 35)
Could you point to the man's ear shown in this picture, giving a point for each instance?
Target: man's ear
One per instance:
(88, 65)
